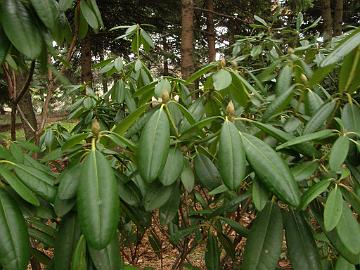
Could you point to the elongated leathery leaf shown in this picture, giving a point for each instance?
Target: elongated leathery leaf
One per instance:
(231, 156)
(301, 245)
(107, 258)
(338, 153)
(271, 169)
(206, 172)
(212, 254)
(14, 238)
(66, 238)
(173, 167)
(20, 28)
(263, 244)
(97, 200)
(333, 209)
(320, 117)
(154, 146)
(348, 230)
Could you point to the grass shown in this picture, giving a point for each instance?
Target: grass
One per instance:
(20, 132)
(5, 119)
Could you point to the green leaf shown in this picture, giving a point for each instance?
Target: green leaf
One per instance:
(47, 12)
(260, 20)
(23, 191)
(127, 122)
(63, 207)
(74, 140)
(319, 74)
(39, 182)
(338, 153)
(79, 257)
(333, 209)
(129, 193)
(282, 136)
(155, 244)
(333, 236)
(156, 196)
(238, 90)
(314, 191)
(154, 146)
(207, 173)
(4, 46)
(89, 15)
(304, 170)
(221, 79)
(65, 4)
(348, 230)
(161, 87)
(283, 83)
(187, 177)
(301, 245)
(319, 135)
(342, 49)
(14, 238)
(196, 75)
(212, 253)
(65, 242)
(343, 264)
(350, 117)
(146, 37)
(20, 28)
(69, 182)
(231, 156)
(259, 195)
(118, 63)
(107, 258)
(42, 237)
(173, 167)
(271, 169)
(97, 200)
(96, 10)
(279, 104)
(320, 117)
(263, 244)
(348, 80)
(312, 102)
(237, 227)
(169, 211)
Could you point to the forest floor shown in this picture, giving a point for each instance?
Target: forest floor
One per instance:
(5, 124)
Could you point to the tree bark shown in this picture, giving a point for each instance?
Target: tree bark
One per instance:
(85, 61)
(187, 23)
(326, 14)
(27, 113)
(210, 30)
(104, 80)
(166, 64)
(338, 17)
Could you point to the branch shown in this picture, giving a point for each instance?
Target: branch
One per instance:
(25, 119)
(218, 13)
(62, 71)
(26, 85)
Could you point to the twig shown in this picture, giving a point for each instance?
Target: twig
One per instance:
(52, 82)
(15, 99)
(218, 13)
(25, 119)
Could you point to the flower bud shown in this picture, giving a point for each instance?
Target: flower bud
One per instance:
(95, 127)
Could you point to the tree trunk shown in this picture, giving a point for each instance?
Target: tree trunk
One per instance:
(338, 17)
(104, 80)
(166, 64)
(210, 31)
(187, 23)
(85, 61)
(326, 14)
(27, 116)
